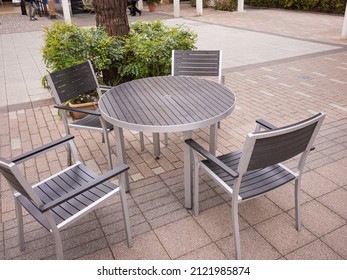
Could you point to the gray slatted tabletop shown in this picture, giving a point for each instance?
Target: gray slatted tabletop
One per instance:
(167, 104)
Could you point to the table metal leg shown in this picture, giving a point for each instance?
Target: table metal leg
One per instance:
(121, 155)
(213, 139)
(188, 186)
(156, 145)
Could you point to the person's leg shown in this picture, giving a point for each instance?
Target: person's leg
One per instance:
(30, 11)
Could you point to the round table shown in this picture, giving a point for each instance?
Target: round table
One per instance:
(167, 104)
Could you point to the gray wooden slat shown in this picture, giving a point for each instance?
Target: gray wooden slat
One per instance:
(272, 150)
(9, 176)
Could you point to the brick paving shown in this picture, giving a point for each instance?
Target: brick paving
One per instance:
(281, 91)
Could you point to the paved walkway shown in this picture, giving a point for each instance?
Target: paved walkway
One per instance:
(283, 66)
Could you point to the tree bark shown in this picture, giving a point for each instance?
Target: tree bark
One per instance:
(112, 15)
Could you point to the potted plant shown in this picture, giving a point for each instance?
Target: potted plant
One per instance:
(153, 4)
(88, 101)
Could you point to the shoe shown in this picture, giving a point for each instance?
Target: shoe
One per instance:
(133, 15)
(33, 18)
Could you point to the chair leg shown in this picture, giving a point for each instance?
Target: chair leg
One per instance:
(126, 214)
(107, 149)
(69, 155)
(19, 215)
(196, 185)
(142, 142)
(297, 204)
(236, 229)
(58, 244)
(166, 139)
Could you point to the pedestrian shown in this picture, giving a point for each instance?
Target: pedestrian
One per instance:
(134, 9)
(32, 13)
(22, 6)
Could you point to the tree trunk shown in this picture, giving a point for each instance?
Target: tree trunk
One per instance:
(112, 15)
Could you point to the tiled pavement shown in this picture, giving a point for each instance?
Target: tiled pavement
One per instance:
(282, 90)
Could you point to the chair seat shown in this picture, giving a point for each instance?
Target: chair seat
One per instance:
(70, 179)
(254, 182)
(90, 121)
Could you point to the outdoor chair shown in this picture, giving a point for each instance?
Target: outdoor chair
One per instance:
(258, 168)
(201, 63)
(71, 82)
(63, 198)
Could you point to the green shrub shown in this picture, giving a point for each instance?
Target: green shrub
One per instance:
(226, 5)
(146, 52)
(325, 6)
(68, 44)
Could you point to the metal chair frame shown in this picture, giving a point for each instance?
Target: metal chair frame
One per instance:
(259, 167)
(64, 197)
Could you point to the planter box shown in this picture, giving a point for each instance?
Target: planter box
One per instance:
(86, 106)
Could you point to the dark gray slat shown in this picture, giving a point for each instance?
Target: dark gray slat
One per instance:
(180, 53)
(147, 105)
(174, 104)
(46, 194)
(263, 176)
(172, 111)
(197, 73)
(265, 154)
(72, 83)
(197, 101)
(32, 209)
(231, 160)
(194, 64)
(197, 58)
(189, 102)
(266, 188)
(110, 105)
(91, 121)
(224, 99)
(13, 180)
(80, 202)
(125, 111)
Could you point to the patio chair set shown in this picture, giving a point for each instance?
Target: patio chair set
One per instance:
(63, 198)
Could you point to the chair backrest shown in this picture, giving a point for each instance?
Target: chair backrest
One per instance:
(197, 63)
(16, 179)
(68, 83)
(266, 148)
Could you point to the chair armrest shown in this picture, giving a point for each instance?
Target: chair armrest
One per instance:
(42, 149)
(194, 145)
(265, 124)
(89, 112)
(97, 181)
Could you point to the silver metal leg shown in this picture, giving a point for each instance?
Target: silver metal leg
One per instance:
(156, 145)
(166, 139)
(297, 204)
(196, 184)
(213, 139)
(142, 142)
(19, 215)
(125, 213)
(187, 171)
(236, 229)
(121, 155)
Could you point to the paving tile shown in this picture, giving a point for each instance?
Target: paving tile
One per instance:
(182, 237)
(253, 246)
(315, 250)
(337, 240)
(318, 219)
(316, 185)
(257, 210)
(217, 222)
(335, 171)
(281, 233)
(146, 247)
(210, 252)
(336, 201)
